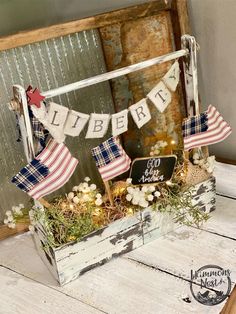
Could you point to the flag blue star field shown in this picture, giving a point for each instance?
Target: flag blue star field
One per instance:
(205, 129)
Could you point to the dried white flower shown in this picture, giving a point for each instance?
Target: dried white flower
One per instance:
(12, 225)
(128, 197)
(76, 200)
(8, 213)
(144, 189)
(86, 198)
(98, 195)
(196, 156)
(75, 188)
(157, 193)
(130, 190)
(93, 187)
(70, 195)
(21, 205)
(5, 221)
(129, 180)
(31, 228)
(10, 218)
(98, 202)
(143, 203)
(150, 197)
(135, 201)
(87, 179)
(151, 188)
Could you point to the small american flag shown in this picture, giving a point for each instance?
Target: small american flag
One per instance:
(53, 167)
(205, 129)
(111, 159)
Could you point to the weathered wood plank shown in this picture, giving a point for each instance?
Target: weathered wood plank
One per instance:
(6, 232)
(23, 295)
(223, 220)
(121, 286)
(230, 306)
(54, 31)
(187, 248)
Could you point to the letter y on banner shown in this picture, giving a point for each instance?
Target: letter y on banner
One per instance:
(98, 125)
(171, 79)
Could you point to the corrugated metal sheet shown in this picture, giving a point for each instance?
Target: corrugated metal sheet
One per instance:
(48, 65)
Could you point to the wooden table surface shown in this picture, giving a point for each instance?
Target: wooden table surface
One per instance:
(151, 279)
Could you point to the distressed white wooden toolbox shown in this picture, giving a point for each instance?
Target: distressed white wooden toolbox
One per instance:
(71, 260)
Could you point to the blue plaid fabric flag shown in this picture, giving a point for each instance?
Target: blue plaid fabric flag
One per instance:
(106, 152)
(38, 130)
(30, 175)
(195, 125)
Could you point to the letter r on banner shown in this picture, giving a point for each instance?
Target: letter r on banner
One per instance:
(160, 96)
(140, 113)
(98, 125)
(119, 122)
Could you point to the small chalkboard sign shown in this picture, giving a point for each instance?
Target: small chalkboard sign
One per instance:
(149, 170)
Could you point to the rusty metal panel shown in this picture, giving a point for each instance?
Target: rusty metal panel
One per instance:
(135, 41)
(50, 64)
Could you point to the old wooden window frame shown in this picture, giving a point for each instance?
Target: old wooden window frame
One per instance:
(180, 24)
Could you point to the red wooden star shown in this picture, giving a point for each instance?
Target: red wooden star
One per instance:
(34, 97)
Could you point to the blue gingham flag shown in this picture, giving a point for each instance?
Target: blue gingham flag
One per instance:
(30, 175)
(38, 130)
(195, 125)
(111, 159)
(106, 152)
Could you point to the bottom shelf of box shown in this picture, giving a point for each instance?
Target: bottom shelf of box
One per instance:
(71, 260)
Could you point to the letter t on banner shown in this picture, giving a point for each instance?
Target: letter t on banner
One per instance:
(119, 122)
(160, 96)
(98, 125)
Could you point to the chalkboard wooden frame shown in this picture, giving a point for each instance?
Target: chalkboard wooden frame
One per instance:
(142, 173)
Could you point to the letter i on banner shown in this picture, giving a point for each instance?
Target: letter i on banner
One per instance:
(75, 123)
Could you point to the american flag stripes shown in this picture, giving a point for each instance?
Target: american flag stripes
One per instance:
(111, 159)
(60, 164)
(217, 130)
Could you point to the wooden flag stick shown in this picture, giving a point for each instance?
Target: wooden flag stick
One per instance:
(108, 190)
(43, 202)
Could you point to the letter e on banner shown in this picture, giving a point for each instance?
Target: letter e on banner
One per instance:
(119, 122)
(75, 123)
(140, 113)
(98, 125)
(171, 79)
(160, 96)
